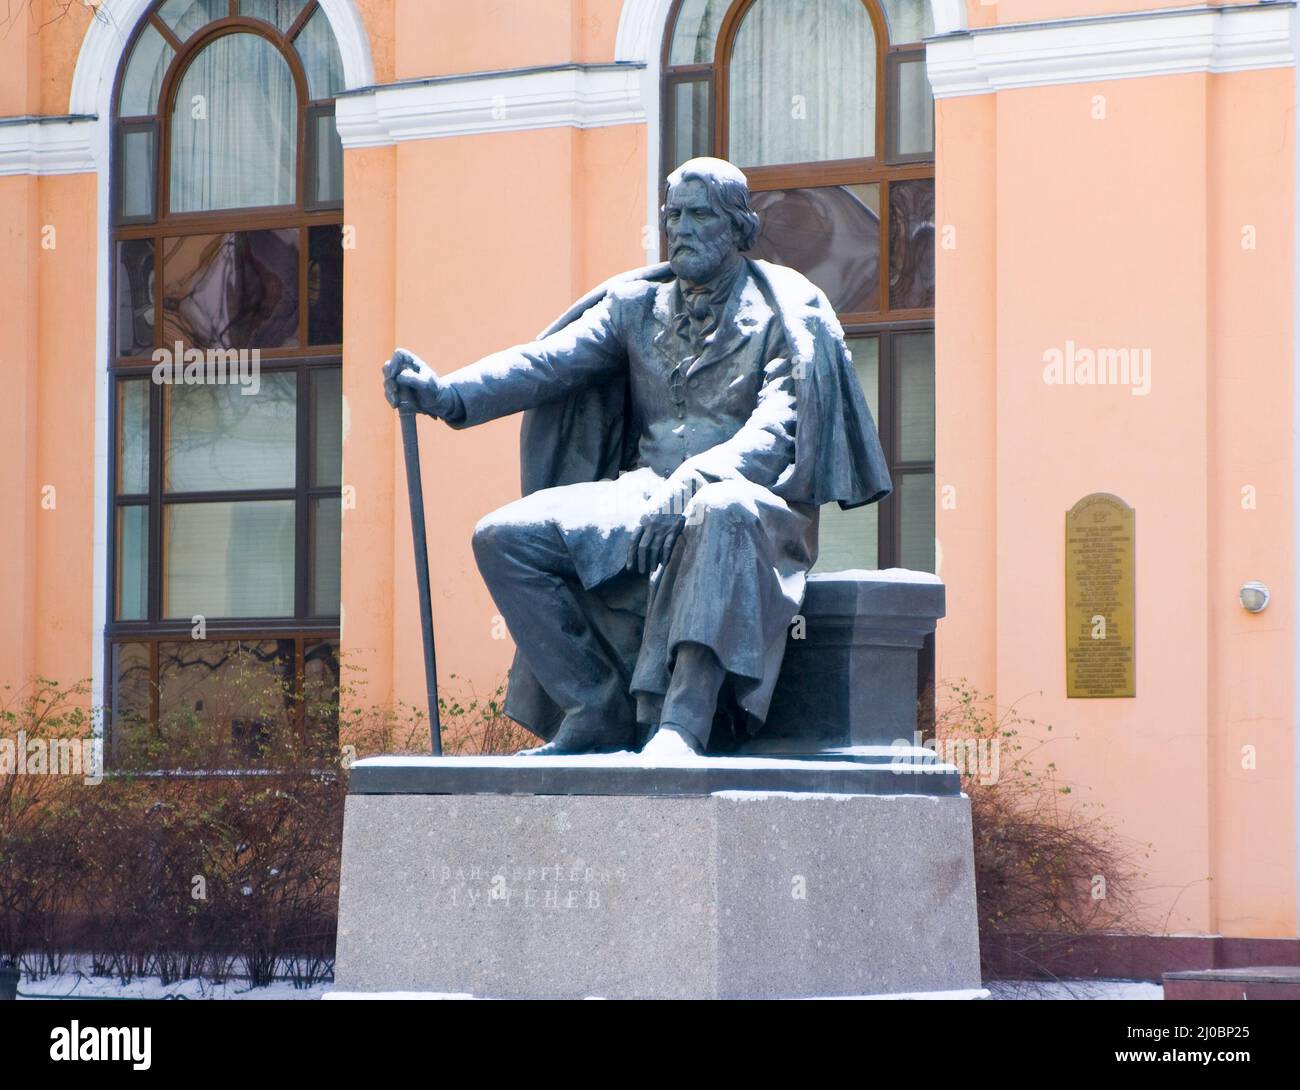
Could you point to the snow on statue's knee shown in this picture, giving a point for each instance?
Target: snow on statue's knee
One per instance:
(721, 501)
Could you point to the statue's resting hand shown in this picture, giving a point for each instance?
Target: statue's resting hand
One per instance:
(652, 543)
(667, 510)
(405, 372)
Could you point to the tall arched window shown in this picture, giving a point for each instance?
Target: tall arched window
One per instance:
(826, 106)
(225, 359)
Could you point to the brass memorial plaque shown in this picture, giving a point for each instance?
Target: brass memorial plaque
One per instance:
(1099, 598)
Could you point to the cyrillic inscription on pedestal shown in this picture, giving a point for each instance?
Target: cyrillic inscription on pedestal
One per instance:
(512, 887)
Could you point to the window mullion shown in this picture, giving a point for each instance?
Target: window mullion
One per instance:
(155, 559)
(114, 559)
(304, 304)
(303, 16)
(886, 220)
(302, 470)
(887, 546)
(166, 32)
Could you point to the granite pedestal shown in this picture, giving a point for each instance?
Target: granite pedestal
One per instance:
(693, 891)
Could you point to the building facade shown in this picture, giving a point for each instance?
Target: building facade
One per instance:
(991, 194)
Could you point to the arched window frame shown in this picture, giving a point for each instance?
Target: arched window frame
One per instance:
(885, 168)
(308, 111)
(789, 175)
(312, 636)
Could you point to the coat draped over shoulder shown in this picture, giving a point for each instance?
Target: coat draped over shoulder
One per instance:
(589, 435)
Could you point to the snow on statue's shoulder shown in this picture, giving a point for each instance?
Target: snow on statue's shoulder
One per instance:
(791, 288)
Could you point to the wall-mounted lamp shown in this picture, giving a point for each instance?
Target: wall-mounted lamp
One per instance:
(1254, 596)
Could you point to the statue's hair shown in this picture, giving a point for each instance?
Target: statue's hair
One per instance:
(728, 190)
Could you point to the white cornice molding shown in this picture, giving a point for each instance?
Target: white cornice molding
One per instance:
(46, 145)
(583, 96)
(1151, 43)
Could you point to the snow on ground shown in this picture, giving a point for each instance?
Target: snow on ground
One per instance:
(1074, 989)
(81, 986)
(76, 985)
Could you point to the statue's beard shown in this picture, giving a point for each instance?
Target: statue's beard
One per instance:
(699, 262)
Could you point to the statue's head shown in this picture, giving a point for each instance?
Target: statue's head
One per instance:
(706, 217)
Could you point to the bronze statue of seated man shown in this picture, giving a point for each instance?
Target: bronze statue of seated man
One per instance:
(683, 424)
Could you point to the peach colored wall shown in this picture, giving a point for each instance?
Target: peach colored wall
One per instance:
(46, 427)
(1250, 227)
(1123, 232)
(19, 282)
(434, 38)
(370, 505)
(61, 30)
(380, 18)
(47, 416)
(980, 13)
(65, 412)
(18, 466)
(966, 387)
(39, 42)
(20, 72)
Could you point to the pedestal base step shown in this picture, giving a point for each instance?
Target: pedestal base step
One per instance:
(862, 770)
(966, 993)
(1261, 982)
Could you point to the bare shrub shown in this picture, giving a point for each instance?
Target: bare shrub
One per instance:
(1047, 868)
(470, 725)
(39, 873)
(205, 851)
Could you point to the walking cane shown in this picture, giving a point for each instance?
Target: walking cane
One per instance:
(415, 493)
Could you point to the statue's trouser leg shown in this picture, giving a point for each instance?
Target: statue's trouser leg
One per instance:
(692, 696)
(533, 581)
(732, 584)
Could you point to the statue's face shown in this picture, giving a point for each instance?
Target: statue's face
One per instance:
(700, 238)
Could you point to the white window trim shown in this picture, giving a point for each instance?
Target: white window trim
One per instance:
(582, 96)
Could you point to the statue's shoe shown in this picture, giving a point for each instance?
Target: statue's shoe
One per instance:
(572, 740)
(671, 743)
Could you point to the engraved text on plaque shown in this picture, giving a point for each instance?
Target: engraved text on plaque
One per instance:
(1099, 598)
